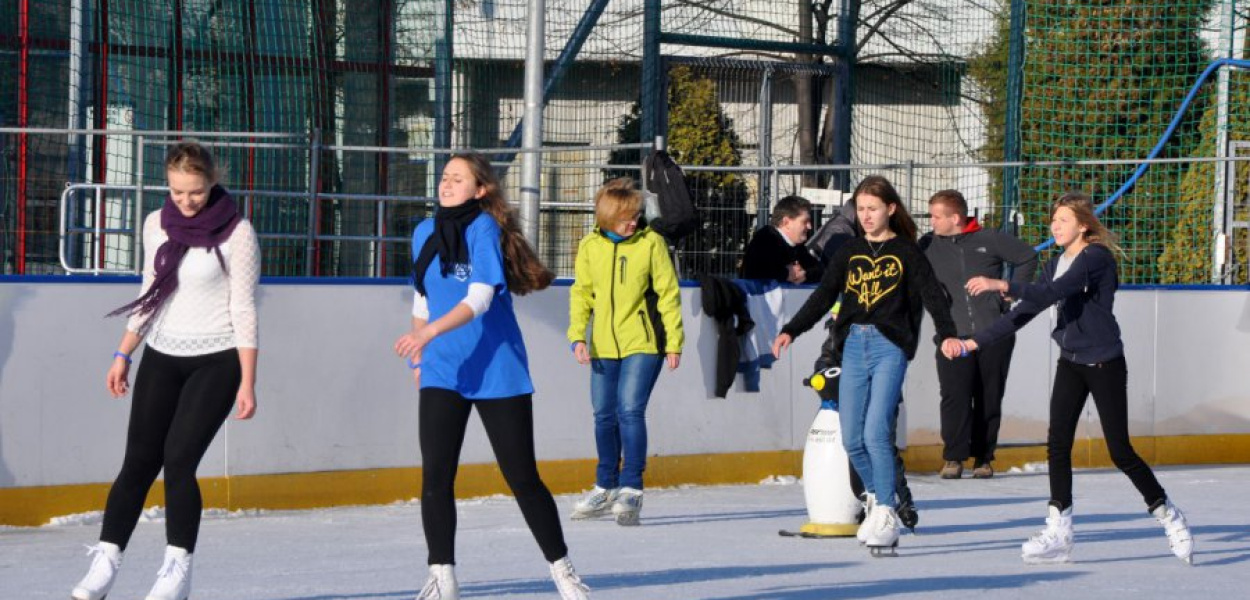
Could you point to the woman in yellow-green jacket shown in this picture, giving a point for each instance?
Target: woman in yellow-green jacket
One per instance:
(626, 290)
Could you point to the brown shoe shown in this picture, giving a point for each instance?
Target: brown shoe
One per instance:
(952, 470)
(982, 470)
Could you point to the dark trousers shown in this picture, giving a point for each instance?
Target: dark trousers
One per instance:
(179, 403)
(972, 389)
(1108, 382)
(509, 424)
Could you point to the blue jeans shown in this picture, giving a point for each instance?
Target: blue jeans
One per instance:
(619, 391)
(868, 395)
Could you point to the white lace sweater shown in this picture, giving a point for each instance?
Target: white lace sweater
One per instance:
(211, 310)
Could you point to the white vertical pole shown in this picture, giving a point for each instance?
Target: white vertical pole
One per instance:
(532, 132)
(1219, 213)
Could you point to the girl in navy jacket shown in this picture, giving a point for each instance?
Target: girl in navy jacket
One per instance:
(1081, 282)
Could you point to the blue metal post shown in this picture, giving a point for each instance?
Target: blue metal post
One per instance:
(444, 51)
(848, 17)
(651, 100)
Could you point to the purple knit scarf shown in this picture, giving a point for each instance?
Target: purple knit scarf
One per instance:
(207, 229)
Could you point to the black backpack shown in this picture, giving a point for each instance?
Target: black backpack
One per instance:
(677, 213)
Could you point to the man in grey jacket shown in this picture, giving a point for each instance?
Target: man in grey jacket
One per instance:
(972, 386)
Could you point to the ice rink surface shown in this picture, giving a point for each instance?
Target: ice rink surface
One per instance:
(694, 543)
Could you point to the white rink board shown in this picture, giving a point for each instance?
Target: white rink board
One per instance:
(332, 396)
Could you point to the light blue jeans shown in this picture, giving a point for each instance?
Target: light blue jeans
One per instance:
(619, 392)
(868, 393)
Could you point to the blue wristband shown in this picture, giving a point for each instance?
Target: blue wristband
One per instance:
(122, 355)
(573, 346)
(412, 365)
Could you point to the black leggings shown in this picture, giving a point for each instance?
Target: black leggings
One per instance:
(1108, 382)
(179, 404)
(509, 424)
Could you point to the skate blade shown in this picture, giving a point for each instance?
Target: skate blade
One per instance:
(627, 520)
(1047, 560)
(582, 516)
(883, 551)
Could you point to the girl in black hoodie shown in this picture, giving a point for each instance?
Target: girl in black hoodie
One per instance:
(1082, 282)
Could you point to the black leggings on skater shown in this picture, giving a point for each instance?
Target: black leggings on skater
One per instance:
(1108, 383)
(509, 424)
(179, 403)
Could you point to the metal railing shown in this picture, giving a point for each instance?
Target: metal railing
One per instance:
(89, 213)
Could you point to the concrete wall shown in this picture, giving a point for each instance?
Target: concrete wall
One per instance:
(332, 396)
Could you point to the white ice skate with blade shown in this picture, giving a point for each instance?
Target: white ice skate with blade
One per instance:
(866, 526)
(882, 539)
(173, 581)
(1174, 524)
(596, 503)
(441, 585)
(106, 559)
(568, 583)
(1052, 544)
(627, 506)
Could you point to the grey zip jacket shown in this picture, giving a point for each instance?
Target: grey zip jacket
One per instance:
(977, 251)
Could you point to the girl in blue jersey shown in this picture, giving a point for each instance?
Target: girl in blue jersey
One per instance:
(465, 351)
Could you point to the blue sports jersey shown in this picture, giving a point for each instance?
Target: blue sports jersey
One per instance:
(485, 358)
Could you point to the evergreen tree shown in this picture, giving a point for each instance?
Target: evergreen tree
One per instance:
(699, 134)
(1187, 256)
(1102, 80)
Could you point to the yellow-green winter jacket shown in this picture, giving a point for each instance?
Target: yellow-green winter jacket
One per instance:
(630, 289)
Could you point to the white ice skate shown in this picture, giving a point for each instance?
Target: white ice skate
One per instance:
(1052, 544)
(173, 581)
(882, 539)
(627, 506)
(1174, 524)
(441, 584)
(106, 559)
(568, 583)
(866, 525)
(596, 503)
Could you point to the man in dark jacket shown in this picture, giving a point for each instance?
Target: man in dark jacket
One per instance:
(972, 387)
(777, 250)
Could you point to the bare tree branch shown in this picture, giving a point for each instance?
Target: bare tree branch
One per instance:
(738, 16)
(875, 27)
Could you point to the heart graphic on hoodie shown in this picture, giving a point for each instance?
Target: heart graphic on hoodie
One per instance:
(872, 279)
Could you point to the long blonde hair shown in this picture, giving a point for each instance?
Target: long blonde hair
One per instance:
(1082, 206)
(522, 267)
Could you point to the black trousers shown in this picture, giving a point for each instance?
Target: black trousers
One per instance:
(1108, 382)
(179, 403)
(972, 389)
(509, 424)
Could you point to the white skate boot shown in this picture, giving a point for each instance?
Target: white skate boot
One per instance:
(866, 525)
(1052, 544)
(596, 503)
(173, 581)
(882, 539)
(106, 559)
(568, 583)
(1174, 524)
(627, 506)
(441, 584)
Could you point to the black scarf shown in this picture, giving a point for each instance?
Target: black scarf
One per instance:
(447, 240)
